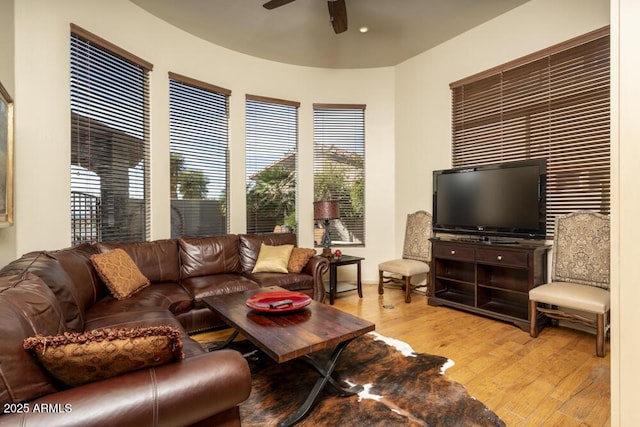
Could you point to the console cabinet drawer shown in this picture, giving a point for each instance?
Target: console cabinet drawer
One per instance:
(498, 257)
(454, 252)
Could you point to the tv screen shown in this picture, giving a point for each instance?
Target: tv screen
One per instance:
(505, 199)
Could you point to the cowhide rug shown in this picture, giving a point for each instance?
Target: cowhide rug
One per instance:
(401, 387)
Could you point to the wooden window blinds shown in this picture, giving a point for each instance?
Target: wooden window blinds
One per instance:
(552, 104)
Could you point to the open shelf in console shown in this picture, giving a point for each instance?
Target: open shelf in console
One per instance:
(458, 292)
(507, 278)
(504, 302)
(455, 279)
(452, 270)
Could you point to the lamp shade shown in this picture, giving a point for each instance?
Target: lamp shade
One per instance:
(326, 209)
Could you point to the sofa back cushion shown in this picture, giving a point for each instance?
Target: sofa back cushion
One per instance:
(49, 269)
(27, 308)
(250, 246)
(76, 262)
(158, 260)
(202, 256)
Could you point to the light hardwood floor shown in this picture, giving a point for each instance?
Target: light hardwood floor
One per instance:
(553, 380)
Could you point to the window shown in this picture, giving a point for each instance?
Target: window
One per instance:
(338, 133)
(552, 104)
(271, 150)
(109, 141)
(199, 139)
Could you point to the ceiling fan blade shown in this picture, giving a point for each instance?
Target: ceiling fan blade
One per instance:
(338, 15)
(276, 3)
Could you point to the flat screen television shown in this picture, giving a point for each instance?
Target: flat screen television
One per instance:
(497, 200)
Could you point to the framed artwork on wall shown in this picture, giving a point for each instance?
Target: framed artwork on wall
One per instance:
(6, 158)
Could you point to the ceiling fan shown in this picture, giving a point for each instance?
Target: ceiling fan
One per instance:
(337, 12)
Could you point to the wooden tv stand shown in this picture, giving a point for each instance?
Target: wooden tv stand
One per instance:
(488, 279)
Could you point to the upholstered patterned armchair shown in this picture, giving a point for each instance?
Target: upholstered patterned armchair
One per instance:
(416, 256)
(579, 277)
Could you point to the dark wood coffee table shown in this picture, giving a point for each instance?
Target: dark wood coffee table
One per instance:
(294, 335)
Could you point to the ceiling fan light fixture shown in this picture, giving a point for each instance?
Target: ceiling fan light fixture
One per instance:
(272, 4)
(337, 12)
(338, 15)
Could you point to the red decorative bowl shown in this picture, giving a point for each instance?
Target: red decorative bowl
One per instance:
(278, 301)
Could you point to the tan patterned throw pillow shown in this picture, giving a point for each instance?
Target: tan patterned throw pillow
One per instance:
(299, 258)
(273, 259)
(119, 273)
(76, 358)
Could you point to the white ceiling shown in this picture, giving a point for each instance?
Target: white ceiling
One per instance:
(300, 32)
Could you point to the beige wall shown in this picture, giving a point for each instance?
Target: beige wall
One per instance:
(7, 235)
(625, 294)
(42, 125)
(423, 99)
(408, 132)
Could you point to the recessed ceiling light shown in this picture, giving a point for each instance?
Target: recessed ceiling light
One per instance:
(364, 29)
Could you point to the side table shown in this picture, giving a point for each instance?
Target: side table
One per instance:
(336, 262)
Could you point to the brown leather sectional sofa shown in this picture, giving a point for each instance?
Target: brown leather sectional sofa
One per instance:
(50, 292)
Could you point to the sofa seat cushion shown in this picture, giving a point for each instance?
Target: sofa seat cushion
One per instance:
(200, 319)
(27, 307)
(191, 347)
(290, 281)
(158, 260)
(216, 284)
(203, 256)
(77, 358)
(100, 318)
(165, 295)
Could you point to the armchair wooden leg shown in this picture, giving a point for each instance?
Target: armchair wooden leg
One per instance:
(407, 287)
(600, 338)
(427, 282)
(380, 282)
(533, 318)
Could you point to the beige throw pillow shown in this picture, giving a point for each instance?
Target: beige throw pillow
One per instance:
(273, 259)
(119, 273)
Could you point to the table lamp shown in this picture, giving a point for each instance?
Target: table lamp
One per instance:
(325, 210)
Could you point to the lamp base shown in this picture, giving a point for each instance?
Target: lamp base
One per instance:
(326, 241)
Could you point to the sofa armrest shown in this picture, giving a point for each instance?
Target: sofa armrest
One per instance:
(317, 266)
(180, 393)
